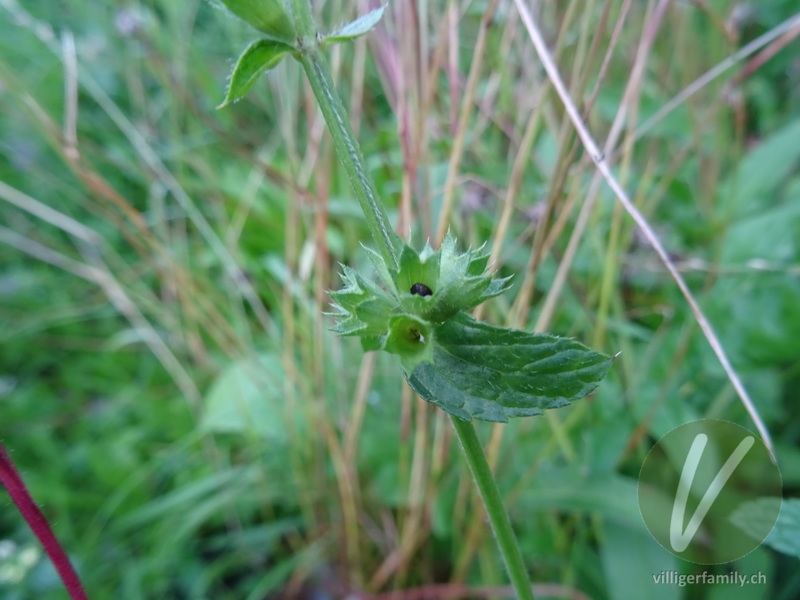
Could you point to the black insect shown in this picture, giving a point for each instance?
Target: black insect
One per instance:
(421, 289)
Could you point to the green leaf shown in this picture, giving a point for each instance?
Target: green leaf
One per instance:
(259, 56)
(629, 550)
(271, 17)
(785, 535)
(761, 172)
(249, 398)
(355, 28)
(479, 371)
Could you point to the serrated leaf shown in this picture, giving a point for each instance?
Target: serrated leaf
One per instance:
(272, 17)
(479, 371)
(258, 57)
(356, 28)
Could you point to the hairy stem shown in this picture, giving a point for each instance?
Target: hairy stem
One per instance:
(493, 502)
(349, 153)
(389, 243)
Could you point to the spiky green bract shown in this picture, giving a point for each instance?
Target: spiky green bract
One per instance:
(457, 280)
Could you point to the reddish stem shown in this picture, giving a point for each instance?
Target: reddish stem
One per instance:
(11, 480)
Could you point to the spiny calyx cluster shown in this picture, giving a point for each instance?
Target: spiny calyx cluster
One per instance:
(401, 311)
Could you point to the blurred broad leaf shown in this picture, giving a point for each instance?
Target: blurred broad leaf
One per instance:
(182, 499)
(764, 168)
(631, 558)
(610, 495)
(762, 302)
(758, 563)
(249, 398)
(785, 535)
(769, 235)
(484, 372)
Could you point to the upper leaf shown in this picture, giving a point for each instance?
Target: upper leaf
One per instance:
(356, 28)
(479, 371)
(258, 57)
(272, 17)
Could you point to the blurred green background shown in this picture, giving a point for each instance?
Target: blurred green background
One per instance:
(169, 388)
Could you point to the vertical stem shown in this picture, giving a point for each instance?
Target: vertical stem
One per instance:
(389, 243)
(498, 517)
(304, 21)
(349, 153)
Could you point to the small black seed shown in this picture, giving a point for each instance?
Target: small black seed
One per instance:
(421, 289)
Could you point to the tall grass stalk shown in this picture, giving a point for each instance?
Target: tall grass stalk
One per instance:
(603, 168)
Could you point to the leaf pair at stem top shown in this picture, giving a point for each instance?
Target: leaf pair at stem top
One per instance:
(276, 20)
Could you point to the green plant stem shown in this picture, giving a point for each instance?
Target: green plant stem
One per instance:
(319, 76)
(493, 502)
(304, 21)
(347, 148)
